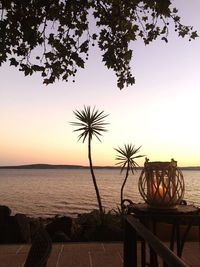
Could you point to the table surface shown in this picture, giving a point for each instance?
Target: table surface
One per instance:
(145, 209)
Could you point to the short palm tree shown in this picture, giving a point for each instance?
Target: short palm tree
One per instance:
(126, 159)
(90, 123)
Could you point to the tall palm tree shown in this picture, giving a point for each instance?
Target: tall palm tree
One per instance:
(91, 123)
(126, 158)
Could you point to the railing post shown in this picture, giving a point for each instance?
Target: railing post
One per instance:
(143, 253)
(153, 258)
(130, 246)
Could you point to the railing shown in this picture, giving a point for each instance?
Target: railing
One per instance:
(177, 237)
(135, 231)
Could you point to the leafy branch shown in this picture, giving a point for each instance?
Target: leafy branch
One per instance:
(63, 31)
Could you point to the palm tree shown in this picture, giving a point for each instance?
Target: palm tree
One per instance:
(91, 123)
(126, 158)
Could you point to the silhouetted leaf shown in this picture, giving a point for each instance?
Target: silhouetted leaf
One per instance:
(13, 62)
(164, 39)
(80, 62)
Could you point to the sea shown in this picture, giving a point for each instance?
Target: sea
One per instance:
(50, 192)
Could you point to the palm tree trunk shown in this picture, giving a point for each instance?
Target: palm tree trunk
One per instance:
(122, 188)
(93, 176)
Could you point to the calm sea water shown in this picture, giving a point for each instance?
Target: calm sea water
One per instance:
(69, 192)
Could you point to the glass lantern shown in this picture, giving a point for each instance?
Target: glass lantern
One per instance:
(161, 184)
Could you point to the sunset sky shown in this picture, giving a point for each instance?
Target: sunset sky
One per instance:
(160, 112)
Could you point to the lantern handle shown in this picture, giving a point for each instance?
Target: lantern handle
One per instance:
(146, 161)
(173, 163)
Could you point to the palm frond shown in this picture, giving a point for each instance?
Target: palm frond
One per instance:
(90, 122)
(126, 157)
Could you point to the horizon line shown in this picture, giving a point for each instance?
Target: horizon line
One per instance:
(48, 165)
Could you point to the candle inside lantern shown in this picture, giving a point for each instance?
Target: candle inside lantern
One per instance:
(159, 194)
(158, 190)
(161, 191)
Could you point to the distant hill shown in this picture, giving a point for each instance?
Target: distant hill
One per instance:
(191, 168)
(52, 166)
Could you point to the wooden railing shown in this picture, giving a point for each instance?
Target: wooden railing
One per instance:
(135, 232)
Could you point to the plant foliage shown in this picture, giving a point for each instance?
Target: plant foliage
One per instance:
(53, 37)
(126, 159)
(90, 123)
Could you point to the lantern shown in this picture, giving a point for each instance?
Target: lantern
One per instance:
(161, 184)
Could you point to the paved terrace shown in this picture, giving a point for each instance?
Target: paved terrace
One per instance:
(85, 255)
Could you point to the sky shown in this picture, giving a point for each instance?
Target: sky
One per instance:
(160, 112)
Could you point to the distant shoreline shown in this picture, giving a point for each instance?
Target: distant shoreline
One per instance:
(53, 166)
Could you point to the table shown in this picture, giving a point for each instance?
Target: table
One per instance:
(187, 215)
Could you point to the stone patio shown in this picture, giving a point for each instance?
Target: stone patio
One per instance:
(85, 255)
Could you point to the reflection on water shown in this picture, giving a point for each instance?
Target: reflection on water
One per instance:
(69, 192)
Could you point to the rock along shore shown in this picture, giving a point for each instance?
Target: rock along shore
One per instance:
(92, 226)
